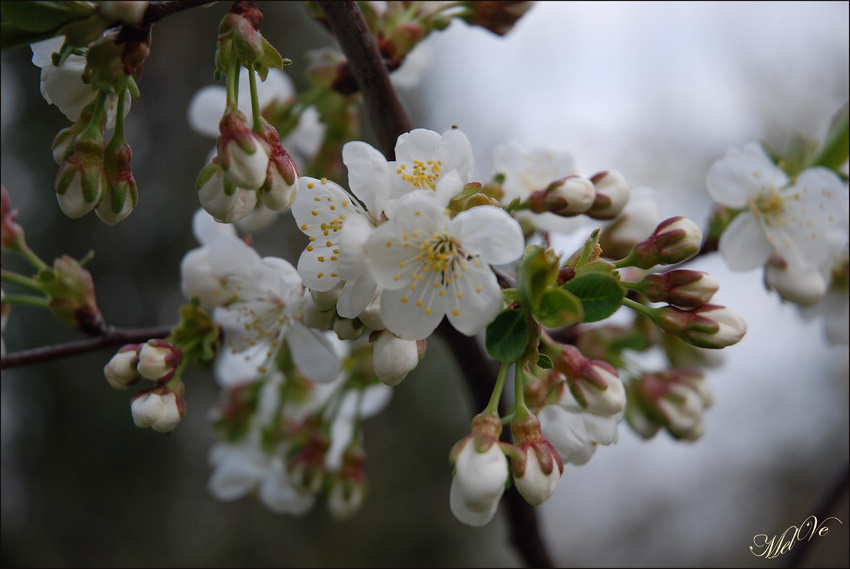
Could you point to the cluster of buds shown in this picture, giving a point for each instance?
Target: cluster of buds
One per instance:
(162, 406)
(603, 196)
(250, 166)
(674, 399)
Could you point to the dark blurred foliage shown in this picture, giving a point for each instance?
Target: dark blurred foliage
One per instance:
(81, 485)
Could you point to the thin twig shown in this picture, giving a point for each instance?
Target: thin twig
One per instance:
(383, 107)
(389, 120)
(110, 338)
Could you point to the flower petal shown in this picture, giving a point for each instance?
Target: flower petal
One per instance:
(743, 244)
(489, 232)
(742, 175)
(313, 354)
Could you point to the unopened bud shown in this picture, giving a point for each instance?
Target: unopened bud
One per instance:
(348, 489)
(240, 28)
(121, 370)
(612, 195)
(121, 193)
(709, 326)
(674, 240)
(159, 408)
(243, 155)
(81, 181)
(158, 360)
(281, 186)
(70, 289)
(221, 198)
(682, 287)
(567, 197)
(802, 287)
(393, 358)
(595, 384)
(348, 328)
(11, 234)
(536, 475)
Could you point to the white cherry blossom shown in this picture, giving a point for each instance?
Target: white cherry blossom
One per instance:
(431, 265)
(796, 218)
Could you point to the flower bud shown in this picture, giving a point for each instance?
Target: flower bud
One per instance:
(498, 17)
(70, 289)
(243, 155)
(326, 300)
(674, 240)
(595, 384)
(121, 193)
(307, 467)
(121, 370)
(639, 218)
(281, 185)
(709, 326)
(676, 399)
(480, 472)
(159, 408)
(803, 288)
(158, 360)
(348, 328)
(538, 472)
(220, 198)
(63, 144)
(682, 287)
(393, 358)
(565, 197)
(81, 181)
(124, 11)
(612, 195)
(240, 29)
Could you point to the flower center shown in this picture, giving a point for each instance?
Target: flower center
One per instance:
(769, 207)
(421, 174)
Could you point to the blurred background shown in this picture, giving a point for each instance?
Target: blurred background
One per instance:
(657, 91)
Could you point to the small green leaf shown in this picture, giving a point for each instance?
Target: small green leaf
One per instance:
(836, 146)
(507, 335)
(538, 271)
(558, 308)
(600, 294)
(271, 58)
(545, 362)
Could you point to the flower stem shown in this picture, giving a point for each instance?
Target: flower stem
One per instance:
(520, 408)
(493, 405)
(233, 82)
(26, 299)
(255, 101)
(21, 280)
(639, 308)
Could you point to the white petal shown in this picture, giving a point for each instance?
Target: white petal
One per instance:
(477, 298)
(464, 514)
(206, 109)
(368, 175)
(313, 354)
(455, 152)
(740, 176)
(743, 244)
(356, 296)
(236, 473)
(489, 232)
(278, 494)
(404, 319)
(564, 430)
(206, 228)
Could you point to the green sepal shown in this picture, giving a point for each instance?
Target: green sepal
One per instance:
(506, 336)
(537, 272)
(197, 328)
(600, 294)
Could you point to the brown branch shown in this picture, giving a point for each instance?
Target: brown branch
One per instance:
(110, 338)
(383, 107)
(389, 121)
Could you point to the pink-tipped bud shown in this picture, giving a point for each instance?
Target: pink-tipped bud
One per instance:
(159, 408)
(121, 370)
(674, 240)
(349, 485)
(537, 474)
(709, 326)
(675, 399)
(612, 195)
(243, 155)
(307, 468)
(566, 197)
(682, 287)
(281, 185)
(240, 28)
(595, 384)
(158, 360)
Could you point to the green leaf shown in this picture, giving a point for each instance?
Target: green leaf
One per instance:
(558, 308)
(600, 294)
(538, 271)
(507, 335)
(545, 362)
